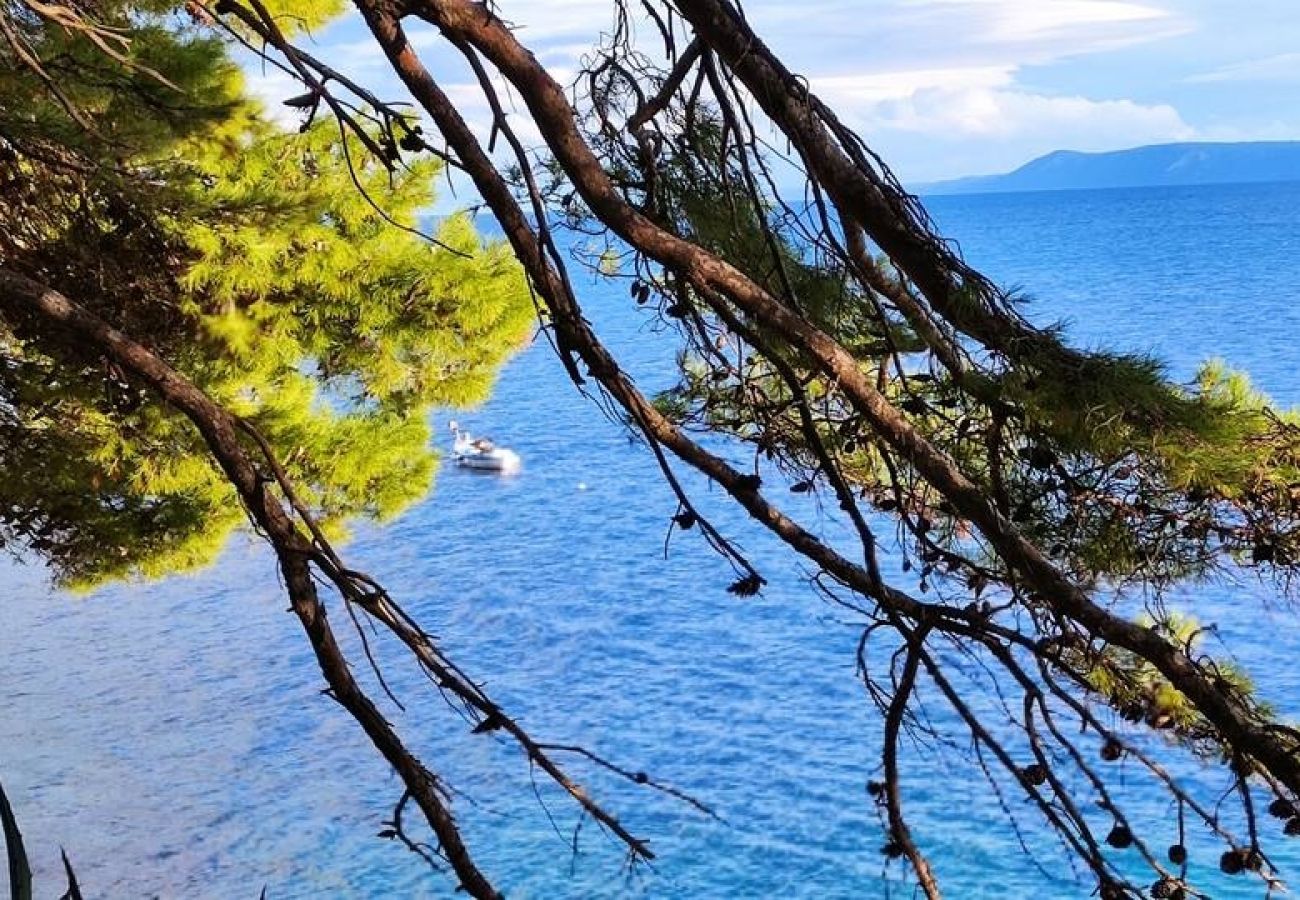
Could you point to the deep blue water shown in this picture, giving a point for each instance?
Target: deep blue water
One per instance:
(172, 736)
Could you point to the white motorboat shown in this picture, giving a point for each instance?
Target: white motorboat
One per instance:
(481, 453)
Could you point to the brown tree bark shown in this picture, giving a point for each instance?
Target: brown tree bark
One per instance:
(61, 326)
(468, 23)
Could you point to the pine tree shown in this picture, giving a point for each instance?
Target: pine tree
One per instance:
(1029, 485)
(153, 188)
(1025, 482)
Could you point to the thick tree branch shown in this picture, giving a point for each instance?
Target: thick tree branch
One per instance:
(464, 21)
(46, 312)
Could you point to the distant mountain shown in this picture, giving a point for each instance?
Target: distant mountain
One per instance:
(1160, 164)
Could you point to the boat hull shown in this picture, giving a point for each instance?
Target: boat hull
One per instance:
(498, 460)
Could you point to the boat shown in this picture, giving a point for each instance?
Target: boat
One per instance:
(481, 453)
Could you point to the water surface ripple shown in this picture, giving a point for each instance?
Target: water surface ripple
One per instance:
(173, 738)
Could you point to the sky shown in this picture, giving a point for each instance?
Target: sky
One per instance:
(948, 88)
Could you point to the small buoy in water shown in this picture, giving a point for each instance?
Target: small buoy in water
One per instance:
(582, 485)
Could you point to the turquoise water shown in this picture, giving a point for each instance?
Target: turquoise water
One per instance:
(172, 736)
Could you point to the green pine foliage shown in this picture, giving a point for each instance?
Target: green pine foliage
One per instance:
(1129, 482)
(1123, 476)
(249, 260)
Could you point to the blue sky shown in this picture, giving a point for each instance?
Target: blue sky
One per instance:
(944, 88)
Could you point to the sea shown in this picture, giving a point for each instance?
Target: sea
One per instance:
(172, 736)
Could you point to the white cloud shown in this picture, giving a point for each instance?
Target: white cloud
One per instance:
(937, 123)
(1039, 21)
(1079, 123)
(944, 87)
(986, 102)
(969, 111)
(877, 87)
(550, 20)
(946, 33)
(1281, 68)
